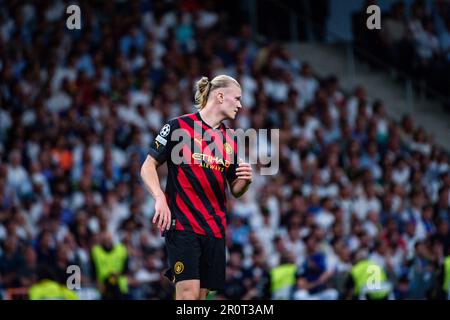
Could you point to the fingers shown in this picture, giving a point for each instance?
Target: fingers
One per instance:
(162, 218)
(156, 216)
(248, 177)
(244, 167)
(166, 224)
(241, 176)
(244, 171)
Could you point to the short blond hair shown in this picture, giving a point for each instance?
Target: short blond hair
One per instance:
(204, 87)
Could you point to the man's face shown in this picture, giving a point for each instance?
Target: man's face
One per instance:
(230, 100)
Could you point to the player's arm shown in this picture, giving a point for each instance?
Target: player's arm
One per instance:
(151, 181)
(244, 176)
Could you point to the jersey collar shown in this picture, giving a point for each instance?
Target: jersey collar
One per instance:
(221, 126)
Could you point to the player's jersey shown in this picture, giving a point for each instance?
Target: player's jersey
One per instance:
(200, 161)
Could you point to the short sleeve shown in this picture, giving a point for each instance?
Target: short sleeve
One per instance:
(161, 146)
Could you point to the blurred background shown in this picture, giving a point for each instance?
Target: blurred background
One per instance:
(364, 119)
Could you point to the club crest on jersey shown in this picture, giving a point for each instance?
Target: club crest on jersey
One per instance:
(228, 148)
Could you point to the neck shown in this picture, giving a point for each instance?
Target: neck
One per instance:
(211, 117)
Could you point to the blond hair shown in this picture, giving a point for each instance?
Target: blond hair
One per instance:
(204, 87)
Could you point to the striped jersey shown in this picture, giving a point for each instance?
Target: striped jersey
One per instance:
(200, 161)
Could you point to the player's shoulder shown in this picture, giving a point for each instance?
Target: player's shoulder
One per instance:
(175, 121)
(179, 122)
(186, 116)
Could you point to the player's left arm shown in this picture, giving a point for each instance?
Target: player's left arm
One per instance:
(244, 176)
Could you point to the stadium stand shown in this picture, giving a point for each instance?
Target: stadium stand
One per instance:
(79, 109)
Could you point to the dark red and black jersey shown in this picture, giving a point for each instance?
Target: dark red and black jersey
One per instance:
(200, 161)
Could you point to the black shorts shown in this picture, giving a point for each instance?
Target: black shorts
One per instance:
(193, 256)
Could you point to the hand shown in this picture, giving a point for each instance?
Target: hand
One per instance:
(244, 172)
(162, 213)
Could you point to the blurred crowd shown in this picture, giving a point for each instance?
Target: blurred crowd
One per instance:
(78, 112)
(414, 38)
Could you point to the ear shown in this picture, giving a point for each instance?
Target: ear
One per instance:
(220, 96)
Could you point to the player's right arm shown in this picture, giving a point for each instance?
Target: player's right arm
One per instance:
(158, 154)
(151, 181)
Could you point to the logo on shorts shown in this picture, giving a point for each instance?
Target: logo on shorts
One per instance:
(179, 267)
(228, 148)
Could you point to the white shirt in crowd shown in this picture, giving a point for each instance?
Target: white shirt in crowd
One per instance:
(17, 179)
(363, 205)
(307, 88)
